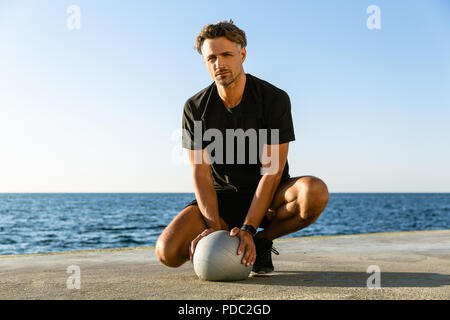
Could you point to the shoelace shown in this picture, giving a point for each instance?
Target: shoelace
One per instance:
(275, 251)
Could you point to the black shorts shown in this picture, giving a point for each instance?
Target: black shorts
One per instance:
(233, 208)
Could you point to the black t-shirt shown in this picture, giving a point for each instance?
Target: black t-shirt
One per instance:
(263, 106)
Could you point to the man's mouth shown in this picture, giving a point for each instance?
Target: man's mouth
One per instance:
(221, 73)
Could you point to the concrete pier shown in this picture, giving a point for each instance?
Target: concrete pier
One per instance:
(412, 265)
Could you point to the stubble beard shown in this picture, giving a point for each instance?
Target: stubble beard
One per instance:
(224, 83)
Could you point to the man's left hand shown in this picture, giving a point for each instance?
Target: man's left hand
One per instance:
(247, 245)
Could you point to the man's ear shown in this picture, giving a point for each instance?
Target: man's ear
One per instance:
(243, 54)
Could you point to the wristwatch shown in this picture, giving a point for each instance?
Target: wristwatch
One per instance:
(249, 229)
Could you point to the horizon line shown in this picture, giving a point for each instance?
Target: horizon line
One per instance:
(191, 192)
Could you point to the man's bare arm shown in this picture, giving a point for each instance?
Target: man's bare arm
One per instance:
(204, 190)
(267, 185)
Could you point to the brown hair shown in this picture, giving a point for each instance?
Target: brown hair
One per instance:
(225, 29)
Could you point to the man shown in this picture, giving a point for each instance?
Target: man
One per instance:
(232, 194)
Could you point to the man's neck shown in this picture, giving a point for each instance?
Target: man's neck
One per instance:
(232, 94)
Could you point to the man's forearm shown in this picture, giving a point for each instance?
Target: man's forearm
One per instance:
(262, 199)
(207, 199)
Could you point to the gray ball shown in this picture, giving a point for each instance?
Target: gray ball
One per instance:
(216, 259)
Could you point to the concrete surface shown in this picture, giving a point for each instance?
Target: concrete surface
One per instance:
(413, 265)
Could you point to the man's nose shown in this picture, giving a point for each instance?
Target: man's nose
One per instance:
(219, 63)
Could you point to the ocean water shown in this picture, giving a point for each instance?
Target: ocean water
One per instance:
(37, 223)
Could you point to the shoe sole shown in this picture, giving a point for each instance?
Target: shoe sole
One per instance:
(261, 274)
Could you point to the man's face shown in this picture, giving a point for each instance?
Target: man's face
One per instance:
(224, 59)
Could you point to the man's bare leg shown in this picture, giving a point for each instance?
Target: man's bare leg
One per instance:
(297, 203)
(172, 247)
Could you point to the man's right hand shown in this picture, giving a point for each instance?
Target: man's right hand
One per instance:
(197, 239)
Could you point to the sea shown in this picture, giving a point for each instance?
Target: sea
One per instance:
(53, 222)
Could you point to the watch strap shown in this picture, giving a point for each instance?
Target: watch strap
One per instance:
(249, 229)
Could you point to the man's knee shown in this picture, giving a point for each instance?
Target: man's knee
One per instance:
(167, 254)
(312, 196)
(172, 246)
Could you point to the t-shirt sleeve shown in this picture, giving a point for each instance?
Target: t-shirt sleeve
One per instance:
(280, 118)
(189, 122)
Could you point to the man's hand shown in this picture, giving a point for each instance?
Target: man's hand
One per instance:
(197, 239)
(247, 244)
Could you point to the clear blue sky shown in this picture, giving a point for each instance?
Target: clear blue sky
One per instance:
(96, 109)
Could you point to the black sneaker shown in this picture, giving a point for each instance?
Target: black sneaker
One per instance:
(263, 265)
